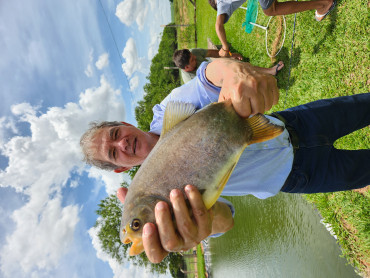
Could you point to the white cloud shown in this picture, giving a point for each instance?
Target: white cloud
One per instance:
(110, 179)
(45, 48)
(42, 236)
(89, 71)
(103, 61)
(133, 63)
(74, 183)
(24, 109)
(162, 16)
(7, 125)
(130, 11)
(40, 166)
(134, 83)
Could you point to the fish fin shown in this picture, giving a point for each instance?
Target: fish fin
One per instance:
(210, 197)
(262, 129)
(137, 247)
(176, 112)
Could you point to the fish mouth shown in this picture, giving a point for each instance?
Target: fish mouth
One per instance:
(128, 236)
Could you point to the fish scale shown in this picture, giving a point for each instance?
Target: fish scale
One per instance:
(201, 149)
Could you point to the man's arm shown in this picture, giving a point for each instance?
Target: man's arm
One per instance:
(223, 220)
(191, 229)
(220, 30)
(250, 90)
(213, 53)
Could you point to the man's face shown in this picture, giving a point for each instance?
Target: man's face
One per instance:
(192, 63)
(125, 146)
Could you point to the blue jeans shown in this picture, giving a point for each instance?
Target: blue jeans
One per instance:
(318, 166)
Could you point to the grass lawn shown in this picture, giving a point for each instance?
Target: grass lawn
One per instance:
(198, 261)
(184, 15)
(330, 59)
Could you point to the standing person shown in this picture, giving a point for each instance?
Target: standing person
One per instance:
(225, 9)
(189, 60)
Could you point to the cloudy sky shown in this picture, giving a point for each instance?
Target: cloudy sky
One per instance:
(64, 64)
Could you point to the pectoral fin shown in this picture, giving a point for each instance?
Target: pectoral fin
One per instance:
(176, 112)
(262, 129)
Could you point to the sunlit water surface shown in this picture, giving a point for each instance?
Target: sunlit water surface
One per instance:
(277, 237)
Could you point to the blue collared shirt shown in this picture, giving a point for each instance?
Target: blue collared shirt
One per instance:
(262, 168)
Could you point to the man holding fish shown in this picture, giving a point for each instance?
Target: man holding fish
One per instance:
(308, 164)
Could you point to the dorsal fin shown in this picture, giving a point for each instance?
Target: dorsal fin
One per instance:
(176, 112)
(262, 129)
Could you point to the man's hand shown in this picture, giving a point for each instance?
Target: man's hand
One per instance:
(237, 56)
(191, 229)
(214, 53)
(224, 53)
(250, 90)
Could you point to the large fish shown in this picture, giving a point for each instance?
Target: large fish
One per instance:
(199, 148)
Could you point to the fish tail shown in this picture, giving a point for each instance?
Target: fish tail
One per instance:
(262, 129)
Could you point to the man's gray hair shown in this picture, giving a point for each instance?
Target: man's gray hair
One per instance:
(88, 149)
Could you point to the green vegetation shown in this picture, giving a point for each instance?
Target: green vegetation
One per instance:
(161, 81)
(200, 262)
(184, 15)
(329, 60)
(195, 266)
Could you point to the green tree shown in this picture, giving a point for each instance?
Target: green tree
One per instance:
(161, 81)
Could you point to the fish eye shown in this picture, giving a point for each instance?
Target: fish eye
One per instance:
(135, 225)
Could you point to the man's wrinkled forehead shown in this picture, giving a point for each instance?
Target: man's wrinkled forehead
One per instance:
(98, 144)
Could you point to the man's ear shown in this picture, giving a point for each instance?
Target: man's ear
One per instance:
(187, 68)
(121, 169)
(126, 123)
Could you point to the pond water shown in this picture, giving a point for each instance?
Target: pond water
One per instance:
(277, 237)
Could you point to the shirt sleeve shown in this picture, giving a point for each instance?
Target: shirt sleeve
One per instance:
(230, 205)
(187, 93)
(224, 8)
(198, 91)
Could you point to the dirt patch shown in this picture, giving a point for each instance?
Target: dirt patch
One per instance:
(363, 190)
(183, 12)
(185, 18)
(278, 35)
(210, 44)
